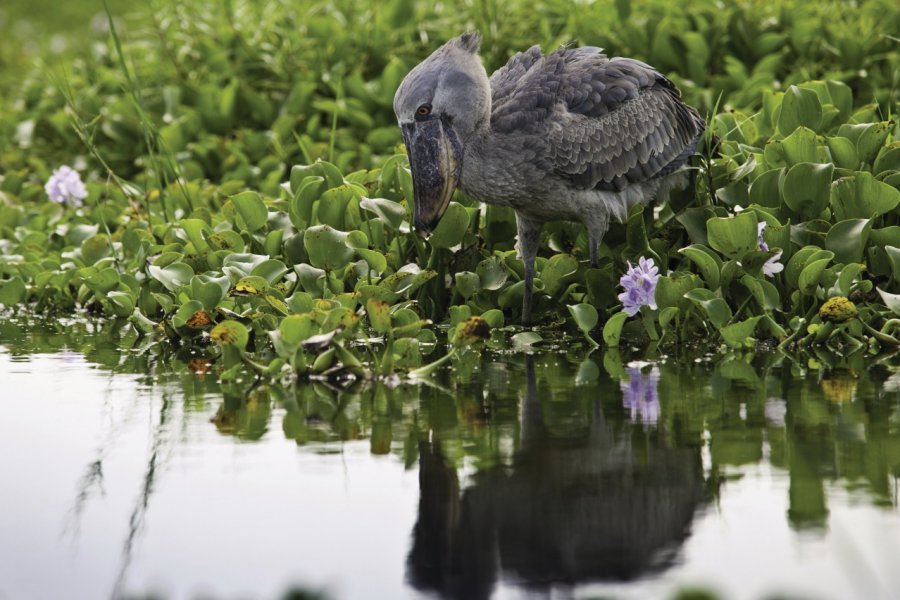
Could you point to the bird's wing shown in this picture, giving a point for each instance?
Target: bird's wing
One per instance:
(606, 122)
(505, 79)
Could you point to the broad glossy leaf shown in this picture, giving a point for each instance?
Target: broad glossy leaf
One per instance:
(799, 260)
(847, 239)
(806, 188)
(799, 108)
(492, 274)
(453, 225)
(392, 213)
(558, 272)
(327, 247)
(716, 309)
(892, 301)
(195, 230)
(707, 262)
(230, 333)
(208, 293)
(739, 334)
(766, 189)
(585, 316)
(12, 291)
(241, 265)
(862, 197)
(843, 152)
(94, 249)
(733, 236)
(810, 276)
(172, 276)
(671, 289)
(271, 270)
(612, 330)
(893, 253)
(252, 210)
(379, 315)
(800, 147)
(467, 283)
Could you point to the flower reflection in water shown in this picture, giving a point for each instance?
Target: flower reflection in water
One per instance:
(639, 393)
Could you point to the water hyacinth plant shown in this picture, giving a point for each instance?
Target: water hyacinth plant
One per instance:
(264, 222)
(65, 187)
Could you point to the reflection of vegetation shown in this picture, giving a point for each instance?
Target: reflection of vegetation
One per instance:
(823, 419)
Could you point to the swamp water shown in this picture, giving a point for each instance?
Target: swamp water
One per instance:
(124, 473)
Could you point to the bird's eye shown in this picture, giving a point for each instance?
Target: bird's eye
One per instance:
(423, 111)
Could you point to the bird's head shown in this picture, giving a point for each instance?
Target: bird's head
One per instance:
(439, 104)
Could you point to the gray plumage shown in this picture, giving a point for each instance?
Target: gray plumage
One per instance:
(570, 135)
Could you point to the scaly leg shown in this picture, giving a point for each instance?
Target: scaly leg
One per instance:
(529, 240)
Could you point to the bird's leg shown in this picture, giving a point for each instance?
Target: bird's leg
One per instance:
(594, 243)
(529, 240)
(596, 228)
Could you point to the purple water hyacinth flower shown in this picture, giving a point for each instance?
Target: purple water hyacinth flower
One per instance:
(65, 186)
(760, 227)
(639, 283)
(639, 395)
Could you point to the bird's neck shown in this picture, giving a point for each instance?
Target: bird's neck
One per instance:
(485, 176)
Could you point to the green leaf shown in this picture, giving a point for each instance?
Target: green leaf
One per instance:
(208, 293)
(799, 260)
(800, 147)
(810, 276)
(194, 229)
(379, 315)
(766, 189)
(452, 227)
(666, 315)
(295, 329)
(716, 309)
(492, 274)
(868, 137)
(843, 152)
(892, 301)
(558, 273)
(252, 210)
(95, 248)
(12, 291)
(739, 334)
(862, 197)
(494, 318)
(172, 276)
(799, 108)
(733, 236)
(467, 283)
(671, 290)
(707, 262)
(327, 248)
(271, 270)
(847, 239)
(392, 213)
(585, 316)
(375, 259)
(230, 333)
(806, 188)
(612, 330)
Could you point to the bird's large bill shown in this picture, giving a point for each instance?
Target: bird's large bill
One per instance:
(434, 158)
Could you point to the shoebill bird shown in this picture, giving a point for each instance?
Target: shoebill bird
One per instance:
(570, 135)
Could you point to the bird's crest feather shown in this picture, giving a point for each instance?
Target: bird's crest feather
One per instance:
(469, 41)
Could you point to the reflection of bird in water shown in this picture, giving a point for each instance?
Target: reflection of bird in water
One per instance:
(573, 509)
(570, 135)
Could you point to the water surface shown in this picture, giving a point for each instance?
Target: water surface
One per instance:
(127, 471)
